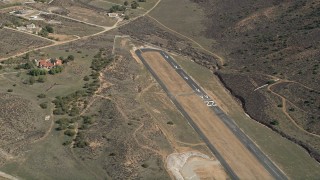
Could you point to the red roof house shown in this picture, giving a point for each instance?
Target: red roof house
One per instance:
(49, 63)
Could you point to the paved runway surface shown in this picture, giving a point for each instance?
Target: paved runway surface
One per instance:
(263, 159)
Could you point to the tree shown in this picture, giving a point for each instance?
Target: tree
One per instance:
(41, 95)
(49, 29)
(134, 5)
(44, 105)
(274, 122)
(126, 17)
(70, 132)
(126, 3)
(86, 78)
(70, 57)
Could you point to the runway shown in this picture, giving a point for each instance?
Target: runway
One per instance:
(246, 141)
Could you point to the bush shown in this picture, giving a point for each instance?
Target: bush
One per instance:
(274, 122)
(10, 90)
(291, 109)
(70, 132)
(44, 105)
(170, 123)
(144, 165)
(41, 79)
(67, 142)
(56, 69)
(41, 95)
(37, 72)
(86, 78)
(134, 5)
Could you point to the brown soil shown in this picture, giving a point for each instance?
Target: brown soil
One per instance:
(245, 165)
(205, 168)
(172, 80)
(62, 37)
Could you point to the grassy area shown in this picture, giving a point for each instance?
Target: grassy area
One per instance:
(46, 159)
(13, 42)
(291, 158)
(70, 27)
(49, 160)
(170, 13)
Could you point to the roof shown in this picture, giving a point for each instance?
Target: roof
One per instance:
(113, 14)
(47, 63)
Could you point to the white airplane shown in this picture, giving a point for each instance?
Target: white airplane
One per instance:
(175, 66)
(198, 90)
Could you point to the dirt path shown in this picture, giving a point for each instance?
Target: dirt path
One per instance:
(106, 28)
(284, 109)
(222, 61)
(7, 176)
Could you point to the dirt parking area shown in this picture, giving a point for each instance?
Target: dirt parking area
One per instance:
(241, 161)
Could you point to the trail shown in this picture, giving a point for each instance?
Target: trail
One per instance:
(220, 59)
(7, 176)
(284, 110)
(106, 28)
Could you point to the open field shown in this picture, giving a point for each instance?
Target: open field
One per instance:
(291, 158)
(13, 42)
(218, 134)
(70, 27)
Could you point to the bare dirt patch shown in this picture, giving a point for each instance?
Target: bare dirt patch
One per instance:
(194, 165)
(173, 81)
(203, 168)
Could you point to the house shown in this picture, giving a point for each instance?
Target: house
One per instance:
(48, 63)
(113, 15)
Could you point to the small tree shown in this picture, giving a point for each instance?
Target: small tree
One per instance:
(86, 78)
(70, 57)
(126, 3)
(41, 95)
(134, 5)
(44, 105)
(70, 132)
(274, 122)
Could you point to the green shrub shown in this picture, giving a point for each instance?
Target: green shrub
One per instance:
(44, 105)
(70, 132)
(41, 95)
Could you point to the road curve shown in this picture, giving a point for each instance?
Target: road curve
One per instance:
(245, 140)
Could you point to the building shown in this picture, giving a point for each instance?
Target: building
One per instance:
(48, 63)
(113, 15)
